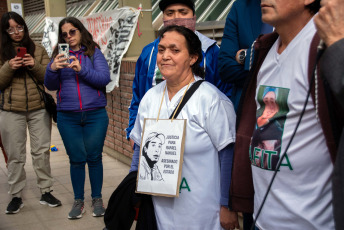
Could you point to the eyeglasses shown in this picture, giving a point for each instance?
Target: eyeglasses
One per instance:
(12, 30)
(71, 32)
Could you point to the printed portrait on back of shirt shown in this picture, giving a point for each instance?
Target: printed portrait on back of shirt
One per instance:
(271, 114)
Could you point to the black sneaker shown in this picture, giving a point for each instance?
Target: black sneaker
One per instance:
(49, 199)
(14, 206)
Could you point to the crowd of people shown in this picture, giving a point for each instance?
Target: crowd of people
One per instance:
(263, 117)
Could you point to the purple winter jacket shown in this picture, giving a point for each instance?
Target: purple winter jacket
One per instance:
(83, 90)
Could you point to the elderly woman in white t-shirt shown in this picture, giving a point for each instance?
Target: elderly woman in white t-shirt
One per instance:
(209, 140)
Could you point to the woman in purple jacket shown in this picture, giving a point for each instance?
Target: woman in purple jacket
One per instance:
(81, 118)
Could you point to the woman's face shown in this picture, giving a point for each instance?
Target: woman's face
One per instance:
(270, 100)
(72, 36)
(15, 27)
(173, 59)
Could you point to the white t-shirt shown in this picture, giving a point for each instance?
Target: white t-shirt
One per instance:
(210, 128)
(300, 197)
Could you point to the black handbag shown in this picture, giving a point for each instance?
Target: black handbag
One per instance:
(50, 105)
(49, 101)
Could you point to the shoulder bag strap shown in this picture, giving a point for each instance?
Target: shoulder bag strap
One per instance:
(41, 91)
(187, 96)
(36, 83)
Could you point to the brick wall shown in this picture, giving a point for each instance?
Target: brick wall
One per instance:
(3, 7)
(118, 102)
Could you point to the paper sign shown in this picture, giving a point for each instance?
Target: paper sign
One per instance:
(161, 157)
(17, 7)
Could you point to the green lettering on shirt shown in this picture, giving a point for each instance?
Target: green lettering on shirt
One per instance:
(269, 153)
(184, 185)
(256, 156)
(288, 162)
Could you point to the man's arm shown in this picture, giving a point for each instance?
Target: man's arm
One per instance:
(330, 25)
(332, 68)
(229, 69)
(135, 101)
(212, 73)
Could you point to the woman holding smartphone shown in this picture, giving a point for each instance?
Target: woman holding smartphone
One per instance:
(81, 116)
(22, 107)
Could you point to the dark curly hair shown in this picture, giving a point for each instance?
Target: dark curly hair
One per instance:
(86, 37)
(193, 45)
(7, 51)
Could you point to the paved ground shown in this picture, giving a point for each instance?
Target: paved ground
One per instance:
(35, 216)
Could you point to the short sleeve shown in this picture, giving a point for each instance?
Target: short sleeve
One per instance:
(136, 132)
(220, 123)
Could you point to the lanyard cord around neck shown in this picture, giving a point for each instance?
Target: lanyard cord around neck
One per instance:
(162, 99)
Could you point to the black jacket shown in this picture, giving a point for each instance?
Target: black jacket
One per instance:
(333, 70)
(120, 212)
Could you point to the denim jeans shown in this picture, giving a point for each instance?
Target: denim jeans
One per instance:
(83, 135)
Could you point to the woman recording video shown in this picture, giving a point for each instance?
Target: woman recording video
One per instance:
(81, 115)
(22, 63)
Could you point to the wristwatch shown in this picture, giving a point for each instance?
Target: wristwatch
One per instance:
(242, 56)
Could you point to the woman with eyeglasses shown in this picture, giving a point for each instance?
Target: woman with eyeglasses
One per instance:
(81, 116)
(22, 108)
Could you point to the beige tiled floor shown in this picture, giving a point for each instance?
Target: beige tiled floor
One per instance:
(35, 216)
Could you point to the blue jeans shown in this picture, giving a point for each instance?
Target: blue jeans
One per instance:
(83, 135)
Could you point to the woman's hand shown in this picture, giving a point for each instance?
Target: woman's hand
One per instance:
(59, 62)
(228, 219)
(75, 65)
(28, 60)
(16, 63)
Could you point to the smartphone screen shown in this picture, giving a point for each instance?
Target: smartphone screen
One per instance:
(64, 49)
(21, 51)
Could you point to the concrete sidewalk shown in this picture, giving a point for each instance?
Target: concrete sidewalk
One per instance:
(34, 216)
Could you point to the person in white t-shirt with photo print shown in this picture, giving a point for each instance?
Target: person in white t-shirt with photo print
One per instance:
(300, 196)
